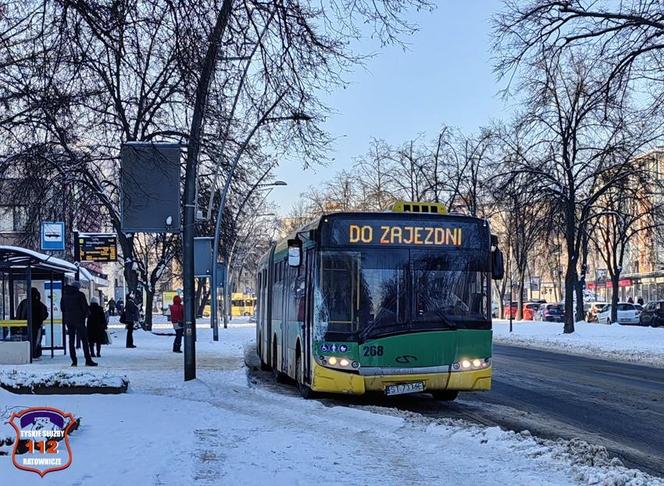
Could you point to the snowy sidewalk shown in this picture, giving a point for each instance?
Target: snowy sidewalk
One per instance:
(632, 344)
(221, 429)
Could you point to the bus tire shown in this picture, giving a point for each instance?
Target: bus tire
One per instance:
(279, 377)
(305, 391)
(445, 395)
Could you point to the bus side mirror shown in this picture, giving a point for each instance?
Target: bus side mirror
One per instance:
(497, 265)
(294, 252)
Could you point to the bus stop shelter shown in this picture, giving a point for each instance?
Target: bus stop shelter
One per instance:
(21, 270)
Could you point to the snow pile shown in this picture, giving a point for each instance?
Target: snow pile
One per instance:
(586, 463)
(577, 459)
(631, 344)
(63, 378)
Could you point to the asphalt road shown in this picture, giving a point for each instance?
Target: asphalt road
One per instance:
(616, 405)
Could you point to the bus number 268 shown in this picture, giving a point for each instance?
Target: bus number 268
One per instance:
(373, 350)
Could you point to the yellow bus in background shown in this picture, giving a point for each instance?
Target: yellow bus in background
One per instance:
(242, 304)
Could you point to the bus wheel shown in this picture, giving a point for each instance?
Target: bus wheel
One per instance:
(445, 395)
(304, 390)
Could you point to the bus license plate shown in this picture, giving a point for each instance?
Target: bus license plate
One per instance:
(404, 388)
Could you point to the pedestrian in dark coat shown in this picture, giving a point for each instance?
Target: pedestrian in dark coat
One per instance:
(111, 307)
(97, 326)
(119, 306)
(75, 311)
(131, 316)
(177, 318)
(39, 315)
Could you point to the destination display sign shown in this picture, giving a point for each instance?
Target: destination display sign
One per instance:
(405, 235)
(96, 247)
(420, 233)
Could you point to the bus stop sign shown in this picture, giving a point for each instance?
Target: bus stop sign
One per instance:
(52, 236)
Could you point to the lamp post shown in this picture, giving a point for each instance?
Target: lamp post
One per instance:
(214, 321)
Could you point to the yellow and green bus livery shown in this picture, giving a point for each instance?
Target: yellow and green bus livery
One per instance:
(395, 302)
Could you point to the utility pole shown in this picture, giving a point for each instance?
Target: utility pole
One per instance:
(509, 270)
(189, 198)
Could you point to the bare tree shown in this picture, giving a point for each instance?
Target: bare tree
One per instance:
(524, 211)
(373, 171)
(585, 144)
(625, 34)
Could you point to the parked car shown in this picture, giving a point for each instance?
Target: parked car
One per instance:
(551, 313)
(653, 314)
(507, 310)
(627, 314)
(593, 309)
(529, 310)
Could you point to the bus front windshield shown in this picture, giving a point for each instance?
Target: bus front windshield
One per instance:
(381, 292)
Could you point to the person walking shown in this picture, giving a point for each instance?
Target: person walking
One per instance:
(119, 307)
(111, 307)
(39, 315)
(75, 311)
(177, 319)
(640, 301)
(97, 326)
(131, 316)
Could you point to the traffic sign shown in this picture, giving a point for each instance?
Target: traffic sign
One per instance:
(52, 236)
(96, 247)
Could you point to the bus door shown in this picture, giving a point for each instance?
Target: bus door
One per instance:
(307, 330)
(267, 307)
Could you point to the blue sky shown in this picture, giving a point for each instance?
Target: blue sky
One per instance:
(444, 76)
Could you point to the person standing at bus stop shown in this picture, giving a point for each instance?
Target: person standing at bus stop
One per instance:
(75, 311)
(177, 319)
(130, 316)
(39, 315)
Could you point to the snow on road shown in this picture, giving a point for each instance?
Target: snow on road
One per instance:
(632, 344)
(221, 429)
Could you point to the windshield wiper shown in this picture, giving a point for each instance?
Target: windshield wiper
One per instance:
(363, 334)
(446, 320)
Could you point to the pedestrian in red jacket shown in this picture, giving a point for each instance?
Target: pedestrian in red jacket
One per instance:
(177, 318)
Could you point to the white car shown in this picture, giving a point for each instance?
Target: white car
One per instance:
(627, 314)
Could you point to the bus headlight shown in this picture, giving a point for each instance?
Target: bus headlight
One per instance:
(339, 362)
(471, 364)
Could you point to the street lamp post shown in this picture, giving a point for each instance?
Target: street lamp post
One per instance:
(214, 321)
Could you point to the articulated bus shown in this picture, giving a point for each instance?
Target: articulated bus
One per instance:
(242, 304)
(395, 302)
